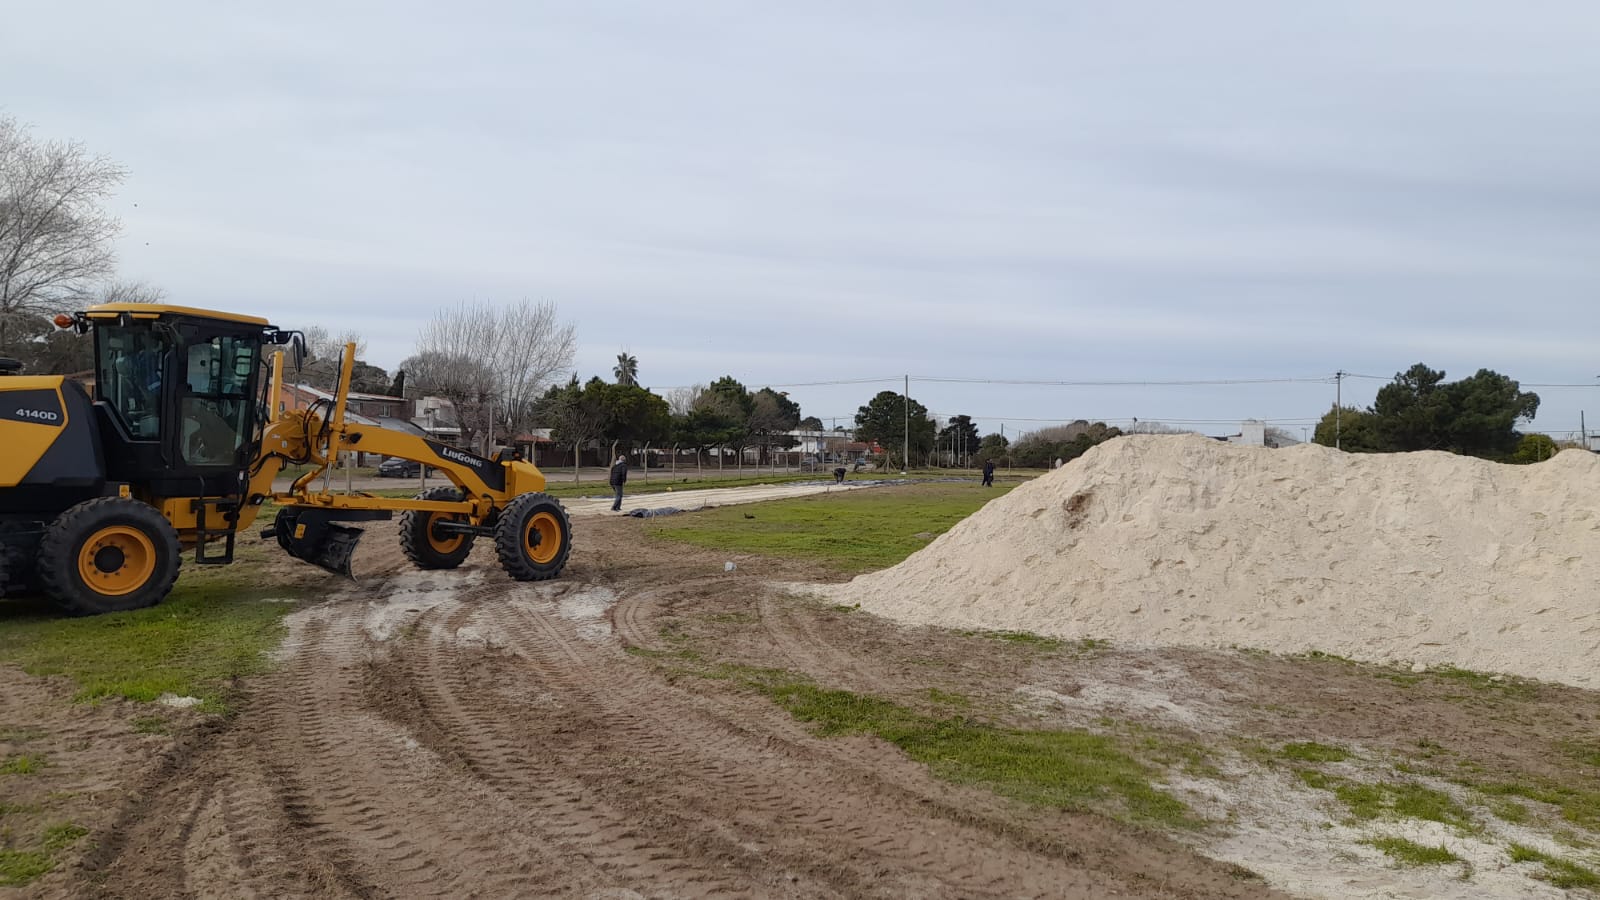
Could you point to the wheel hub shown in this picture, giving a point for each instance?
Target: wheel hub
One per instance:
(109, 559)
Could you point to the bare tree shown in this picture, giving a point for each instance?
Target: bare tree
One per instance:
(55, 235)
(325, 345)
(127, 291)
(683, 400)
(494, 362)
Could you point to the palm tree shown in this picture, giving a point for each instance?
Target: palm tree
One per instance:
(627, 370)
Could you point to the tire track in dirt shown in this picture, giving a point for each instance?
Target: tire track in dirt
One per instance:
(781, 794)
(464, 718)
(1076, 840)
(459, 734)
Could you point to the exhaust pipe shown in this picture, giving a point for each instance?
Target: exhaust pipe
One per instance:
(312, 535)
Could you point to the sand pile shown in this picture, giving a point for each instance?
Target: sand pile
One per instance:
(1417, 557)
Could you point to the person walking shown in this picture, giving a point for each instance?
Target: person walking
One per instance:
(988, 473)
(619, 477)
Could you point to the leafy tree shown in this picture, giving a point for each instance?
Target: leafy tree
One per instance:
(1534, 448)
(633, 414)
(1357, 431)
(959, 437)
(772, 417)
(575, 415)
(1040, 449)
(994, 446)
(883, 420)
(811, 423)
(626, 370)
(1475, 416)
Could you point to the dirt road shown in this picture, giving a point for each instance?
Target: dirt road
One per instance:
(457, 734)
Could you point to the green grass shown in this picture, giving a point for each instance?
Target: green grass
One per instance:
(1411, 853)
(1507, 810)
(1559, 872)
(19, 867)
(1065, 769)
(850, 532)
(62, 836)
(150, 725)
(1028, 638)
(1579, 807)
(1311, 751)
(22, 764)
(213, 628)
(1390, 800)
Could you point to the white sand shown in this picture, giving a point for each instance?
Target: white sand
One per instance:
(1183, 540)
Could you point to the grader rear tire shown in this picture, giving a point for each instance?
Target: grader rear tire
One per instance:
(109, 554)
(533, 538)
(426, 548)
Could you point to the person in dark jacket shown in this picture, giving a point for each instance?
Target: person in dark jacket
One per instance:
(988, 473)
(619, 477)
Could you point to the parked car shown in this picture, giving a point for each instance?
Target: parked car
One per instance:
(401, 468)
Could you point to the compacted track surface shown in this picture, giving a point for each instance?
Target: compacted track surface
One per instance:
(457, 734)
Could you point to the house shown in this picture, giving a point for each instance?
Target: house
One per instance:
(437, 417)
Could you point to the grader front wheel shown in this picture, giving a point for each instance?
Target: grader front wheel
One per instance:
(533, 538)
(426, 546)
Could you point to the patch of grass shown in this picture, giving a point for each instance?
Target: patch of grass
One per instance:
(13, 809)
(734, 618)
(1026, 638)
(1582, 751)
(20, 735)
(1411, 853)
(150, 725)
(1068, 769)
(21, 764)
(63, 835)
(846, 607)
(947, 698)
(848, 532)
(649, 653)
(1404, 800)
(1311, 751)
(212, 629)
(1485, 681)
(1560, 872)
(1579, 807)
(19, 867)
(1508, 810)
(1399, 800)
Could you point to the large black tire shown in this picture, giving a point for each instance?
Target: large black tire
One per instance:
(109, 554)
(422, 546)
(533, 538)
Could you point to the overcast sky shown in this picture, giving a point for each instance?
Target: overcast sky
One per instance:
(823, 191)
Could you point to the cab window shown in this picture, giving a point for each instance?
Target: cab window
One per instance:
(131, 364)
(215, 403)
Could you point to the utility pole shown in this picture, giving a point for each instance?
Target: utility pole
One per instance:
(1338, 403)
(905, 461)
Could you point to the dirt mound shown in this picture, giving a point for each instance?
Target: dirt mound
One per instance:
(1158, 540)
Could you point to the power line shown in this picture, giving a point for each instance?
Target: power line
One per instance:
(1112, 383)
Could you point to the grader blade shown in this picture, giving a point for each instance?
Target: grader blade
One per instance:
(312, 535)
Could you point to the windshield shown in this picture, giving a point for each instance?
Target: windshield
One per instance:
(215, 401)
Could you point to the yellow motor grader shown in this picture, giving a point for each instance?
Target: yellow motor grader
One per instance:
(176, 450)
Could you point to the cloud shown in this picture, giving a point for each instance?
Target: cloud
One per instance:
(832, 191)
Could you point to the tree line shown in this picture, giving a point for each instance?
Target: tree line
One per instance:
(1419, 410)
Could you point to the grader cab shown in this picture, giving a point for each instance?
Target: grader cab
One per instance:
(177, 447)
